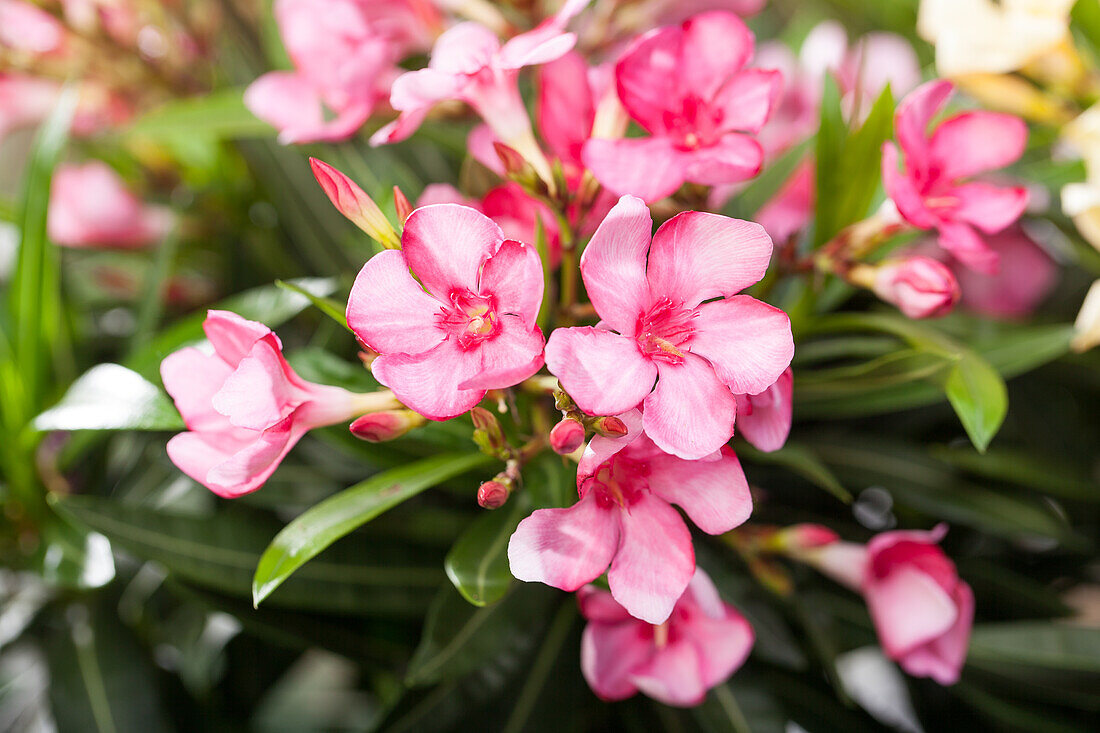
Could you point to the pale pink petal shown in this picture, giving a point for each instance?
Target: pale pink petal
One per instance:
(886, 58)
(598, 605)
(902, 189)
(479, 143)
(696, 256)
(196, 454)
(565, 109)
(400, 129)
(428, 383)
(769, 422)
(446, 244)
(599, 449)
(748, 342)
(420, 89)
(823, 50)
(714, 494)
(968, 247)
(604, 373)
(977, 142)
(1027, 276)
(723, 643)
(674, 675)
(988, 207)
(912, 118)
(909, 608)
(516, 213)
(345, 124)
(292, 105)
(792, 208)
(192, 378)
(464, 48)
(537, 46)
(258, 393)
(444, 193)
(733, 158)
(248, 468)
(233, 336)
(508, 358)
(942, 658)
(654, 562)
(747, 100)
(565, 548)
(389, 310)
(513, 276)
(690, 413)
(715, 46)
(609, 655)
(650, 168)
(614, 262)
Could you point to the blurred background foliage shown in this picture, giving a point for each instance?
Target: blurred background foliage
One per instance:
(126, 600)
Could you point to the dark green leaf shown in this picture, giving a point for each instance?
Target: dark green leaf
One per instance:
(1050, 476)
(831, 136)
(1036, 644)
(478, 563)
(111, 397)
(979, 397)
(801, 460)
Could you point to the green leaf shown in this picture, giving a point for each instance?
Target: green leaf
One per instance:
(317, 528)
(478, 562)
(220, 115)
(831, 136)
(111, 397)
(1048, 475)
(979, 397)
(328, 306)
(73, 557)
(1036, 644)
(803, 461)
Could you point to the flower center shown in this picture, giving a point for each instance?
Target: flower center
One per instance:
(618, 482)
(695, 124)
(665, 330)
(470, 318)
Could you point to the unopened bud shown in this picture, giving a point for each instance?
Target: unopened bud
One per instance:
(355, 204)
(378, 427)
(487, 431)
(800, 537)
(493, 494)
(610, 427)
(401, 204)
(566, 436)
(920, 287)
(367, 355)
(562, 400)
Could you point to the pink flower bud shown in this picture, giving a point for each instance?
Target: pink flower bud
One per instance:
(355, 204)
(492, 495)
(401, 204)
(379, 427)
(807, 537)
(566, 436)
(610, 427)
(919, 286)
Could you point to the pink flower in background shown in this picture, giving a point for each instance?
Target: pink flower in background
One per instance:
(624, 519)
(764, 419)
(930, 192)
(790, 211)
(244, 406)
(687, 86)
(25, 101)
(1026, 277)
(649, 293)
(920, 287)
(704, 641)
(470, 328)
(26, 28)
(91, 207)
(921, 609)
(345, 54)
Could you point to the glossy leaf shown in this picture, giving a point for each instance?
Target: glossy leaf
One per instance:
(478, 562)
(111, 397)
(979, 397)
(328, 306)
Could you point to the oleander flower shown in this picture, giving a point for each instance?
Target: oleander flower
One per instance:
(469, 324)
(764, 419)
(920, 287)
(1026, 277)
(90, 206)
(930, 193)
(245, 408)
(688, 87)
(624, 519)
(702, 643)
(655, 326)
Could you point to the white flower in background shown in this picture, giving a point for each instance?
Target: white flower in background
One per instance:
(1087, 324)
(1081, 201)
(983, 36)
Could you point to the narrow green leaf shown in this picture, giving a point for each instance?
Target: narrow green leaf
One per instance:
(1036, 644)
(861, 168)
(328, 306)
(111, 397)
(1015, 465)
(220, 115)
(803, 461)
(831, 136)
(320, 526)
(979, 397)
(478, 562)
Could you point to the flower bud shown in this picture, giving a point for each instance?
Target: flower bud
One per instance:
(379, 427)
(487, 432)
(355, 204)
(401, 204)
(920, 287)
(567, 436)
(610, 427)
(801, 537)
(493, 494)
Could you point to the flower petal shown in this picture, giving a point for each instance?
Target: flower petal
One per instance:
(233, 336)
(565, 548)
(250, 466)
(748, 99)
(464, 48)
(968, 247)
(977, 142)
(912, 118)
(258, 394)
(690, 413)
(429, 383)
(714, 494)
(748, 342)
(389, 310)
(596, 604)
(614, 262)
(603, 372)
(715, 45)
(418, 90)
(769, 422)
(655, 560)
(647, 167)
(902, 190)
(723, 643)
(735, 157)
(909, 608)
(988, 207)
(513, 275)
(446, 244)
(565, 110)
(599, 449)
(647, 77)
(192, 378)
(609, 655)
(674, 675)
(696, 256)
(511, 356)
(942, 658)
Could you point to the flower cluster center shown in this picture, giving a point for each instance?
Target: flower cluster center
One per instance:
(618, 481)
(665, 330)
(470, 318)
(696, 124)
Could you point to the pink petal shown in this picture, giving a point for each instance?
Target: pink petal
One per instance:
(464, 48)
(516, 213)
(428, 383)
(565, 110)
(909, 608)
(715, 46)
(257, 395)
(912, 118)
(988, 207)
(696, 256)
(655, 560)
(537, 46)
(792, 208)
(714, 494)
(977, 142)
(647, 77)
(1027, 276)
(647, 167)
(902, 189)
(444, 193)
(614, 262)
(565, 548)
(609, 655)
(942, 658)
(747, 100)
(886, 58)
(748, 342)
(346, 123)
(196, 454)
(389, 310)
(769, 422)
(674, 675)
(292, 105)
(446, 244)
(419, 90)
(192, 378)
(400, 129)
(507, 359)
(233, 336)
(598, 605)
(603, 372)
(599, 449)
(513, 275)
(968, 247)
(479, 143)
(690, 413)
(248, 468)
(723, 642)
(733, 158)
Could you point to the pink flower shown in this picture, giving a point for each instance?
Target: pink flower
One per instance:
(625, 520)
(790, 211)
(687, 86)
(765, 418)
(704, 641)
(655, 323)
(26, 28)
(25, 101)
(920, 287)
(1026, 277)
(929, 192)
(244, 406)
(922, 611)
(345, 54)
(91, 207)
(472, 330)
